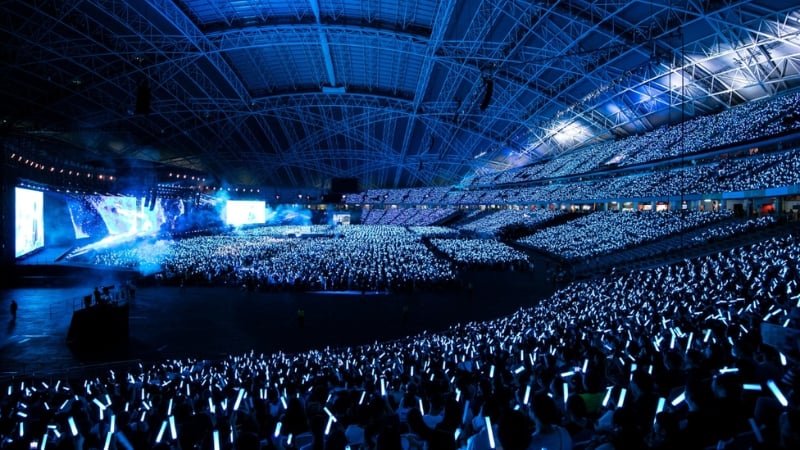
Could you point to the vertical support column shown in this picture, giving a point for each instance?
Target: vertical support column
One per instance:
(7, 217)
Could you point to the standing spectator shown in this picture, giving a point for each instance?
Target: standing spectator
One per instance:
(13, 307)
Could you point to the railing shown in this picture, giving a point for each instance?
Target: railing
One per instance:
(38, 372)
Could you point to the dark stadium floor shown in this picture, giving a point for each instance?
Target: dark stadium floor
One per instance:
(202, 322)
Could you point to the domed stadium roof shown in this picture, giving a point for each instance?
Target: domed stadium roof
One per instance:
(396, 94)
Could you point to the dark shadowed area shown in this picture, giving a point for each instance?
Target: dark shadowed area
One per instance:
(210, 322)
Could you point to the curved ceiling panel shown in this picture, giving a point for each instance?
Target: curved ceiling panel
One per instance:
(395, 93)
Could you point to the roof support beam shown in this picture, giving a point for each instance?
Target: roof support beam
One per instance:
(323, 42)
(170, 11)
(443, 15)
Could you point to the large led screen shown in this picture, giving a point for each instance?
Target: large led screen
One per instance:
(341, 219)
(29, 220)
(245, 212)
(98, 216)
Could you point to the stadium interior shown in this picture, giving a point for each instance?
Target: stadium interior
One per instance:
(411, 224)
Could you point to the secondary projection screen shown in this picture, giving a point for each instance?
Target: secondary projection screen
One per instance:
(29, 221)
(98, 216)
(245, 212)
(341, 219)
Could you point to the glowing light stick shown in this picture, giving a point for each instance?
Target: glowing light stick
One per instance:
(679, 399)
(490, 431)
(108, 440)
(777, 393)
(172, 431)
(72, 428)
(661, 402)
(161, 431)
(608, 396)
(238, 399)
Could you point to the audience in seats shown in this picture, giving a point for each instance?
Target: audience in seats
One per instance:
(493, 223)
(671, 357)
(359, 258)
(609, 231)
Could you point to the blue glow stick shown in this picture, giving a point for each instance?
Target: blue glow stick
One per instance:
(777, 393)
(107, 444)
(608, 396)
(238, 399)
(661, 402)
(679, 399)
(72, 428)
(490, 431)
(172, 431)
(161, 431)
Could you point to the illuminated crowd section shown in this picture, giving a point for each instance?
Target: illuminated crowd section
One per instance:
(703, 361)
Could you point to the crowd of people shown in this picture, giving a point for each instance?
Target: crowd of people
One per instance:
(493, 223)
(745, 122)
(395, 258)
(434, 231)
(605, 232)
(406, 216)
(415, 196)
(725, 230)
(484, 253)
(672, 357)
(357, 258)
(751, 172)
